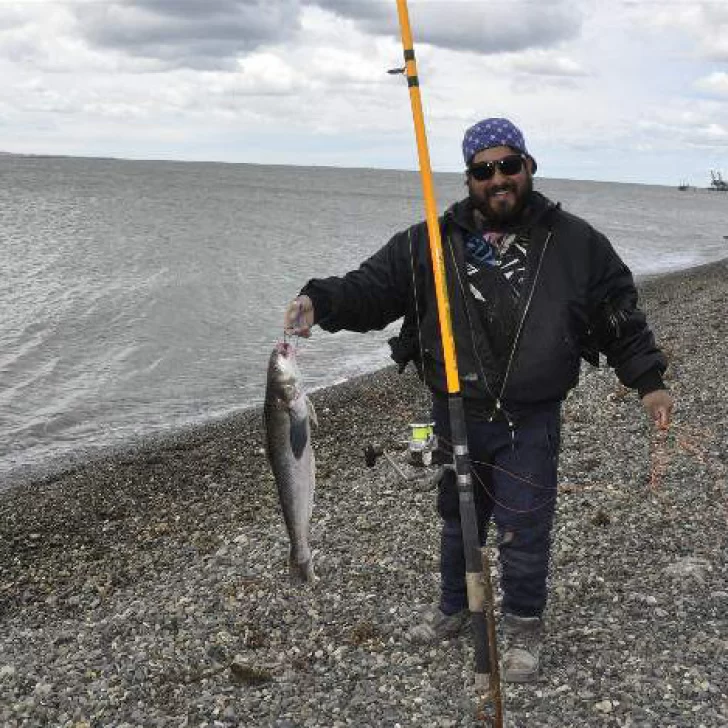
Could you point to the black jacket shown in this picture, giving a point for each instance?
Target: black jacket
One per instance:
(578, 298)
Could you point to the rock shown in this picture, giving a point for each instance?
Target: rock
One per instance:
(689, 567)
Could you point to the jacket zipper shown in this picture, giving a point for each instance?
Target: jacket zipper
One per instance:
(519, 330)
(498, 407)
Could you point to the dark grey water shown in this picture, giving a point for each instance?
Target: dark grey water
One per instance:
(138, 297)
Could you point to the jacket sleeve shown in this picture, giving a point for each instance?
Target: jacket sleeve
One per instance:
(370, 297)
(618, 327)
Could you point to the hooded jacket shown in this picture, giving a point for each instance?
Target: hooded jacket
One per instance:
(578, 299)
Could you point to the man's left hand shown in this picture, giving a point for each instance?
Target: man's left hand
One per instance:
(658, 405)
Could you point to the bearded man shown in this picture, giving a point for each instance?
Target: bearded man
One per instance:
(533, 289)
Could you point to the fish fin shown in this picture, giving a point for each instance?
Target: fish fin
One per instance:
(311, 412)
(299, 435)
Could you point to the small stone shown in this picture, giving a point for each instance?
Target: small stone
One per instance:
(7, 671)
(229, 713)
(689, 567)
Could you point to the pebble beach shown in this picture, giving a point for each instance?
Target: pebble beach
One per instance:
(149, 587)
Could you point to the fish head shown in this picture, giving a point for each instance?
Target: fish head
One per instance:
(283, 374)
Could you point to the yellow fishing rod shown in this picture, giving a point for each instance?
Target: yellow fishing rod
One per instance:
(480, 596)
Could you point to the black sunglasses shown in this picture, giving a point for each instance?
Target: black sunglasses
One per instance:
(509, 166)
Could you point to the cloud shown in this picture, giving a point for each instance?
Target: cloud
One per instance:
(375, 14)
(201, 34)
(210, 34)
(695, 129)
(715, 84)
(483, 26)
(706, 21)
(713, 30)
(14, 16)
(35, 95)
(544, 63)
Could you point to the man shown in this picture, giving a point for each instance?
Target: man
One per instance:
(532, 289)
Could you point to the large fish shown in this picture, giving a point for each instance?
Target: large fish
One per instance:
(288, 415)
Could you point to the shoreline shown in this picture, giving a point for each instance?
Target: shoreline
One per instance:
(63, 464)
(131, 585)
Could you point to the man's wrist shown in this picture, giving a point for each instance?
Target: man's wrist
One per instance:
(319, 300)
(650, 381)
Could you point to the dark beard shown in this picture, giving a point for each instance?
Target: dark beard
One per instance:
(497, 216)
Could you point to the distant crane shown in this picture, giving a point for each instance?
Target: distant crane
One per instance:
(717, 182)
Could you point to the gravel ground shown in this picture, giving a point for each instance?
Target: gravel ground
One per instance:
(150, 588)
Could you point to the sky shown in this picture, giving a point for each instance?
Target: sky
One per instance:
(617, 90)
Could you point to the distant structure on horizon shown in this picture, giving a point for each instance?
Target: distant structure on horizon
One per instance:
(717, 182)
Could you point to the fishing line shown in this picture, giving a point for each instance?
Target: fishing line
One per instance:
(296, 327)
(415, 295)
(517, 511)
(515, 476)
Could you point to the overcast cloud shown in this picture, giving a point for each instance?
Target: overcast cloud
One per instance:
(208, 33)
(192, 33)
(630, 90)
(482, 27)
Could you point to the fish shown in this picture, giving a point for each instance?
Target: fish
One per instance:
(288, 416)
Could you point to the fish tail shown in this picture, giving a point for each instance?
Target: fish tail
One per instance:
(301, 571)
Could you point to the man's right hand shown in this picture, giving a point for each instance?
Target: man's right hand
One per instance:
(298, 319)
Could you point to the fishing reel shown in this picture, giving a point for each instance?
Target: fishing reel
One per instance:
(422, 444)
(420, 449)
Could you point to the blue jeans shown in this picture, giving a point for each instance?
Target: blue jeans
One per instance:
(514, 476)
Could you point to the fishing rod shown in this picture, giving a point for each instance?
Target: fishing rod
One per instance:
(477, 567)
